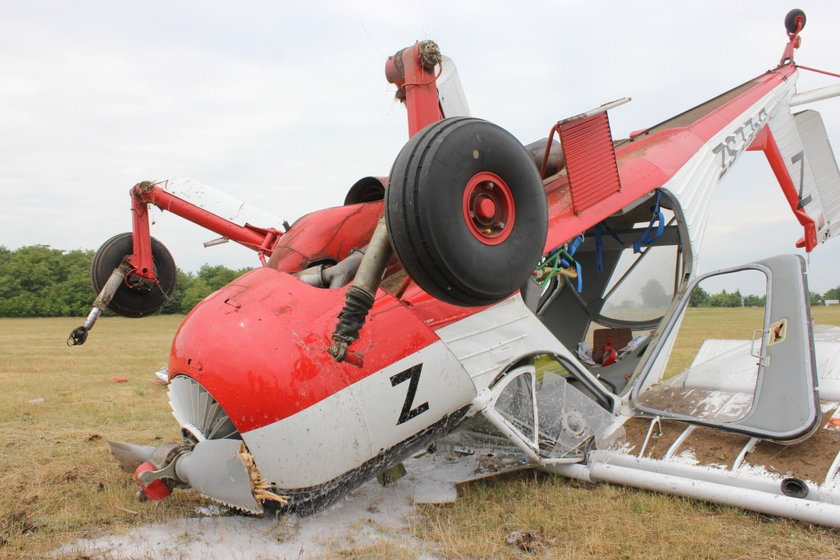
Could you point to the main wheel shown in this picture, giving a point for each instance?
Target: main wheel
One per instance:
(466, 211)
(128, 301)
(791, 20)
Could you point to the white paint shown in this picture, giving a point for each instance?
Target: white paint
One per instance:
(219, 203)
(818, 94)
(790, 142)
(453, 100)
(747, 487)
(341, 432)
(489, 341)
(694, 184)
(819, 157)
(774, 504)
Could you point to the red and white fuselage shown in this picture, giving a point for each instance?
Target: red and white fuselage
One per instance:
(313, 424)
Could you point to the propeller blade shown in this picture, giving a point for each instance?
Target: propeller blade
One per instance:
(129, 455)
(215, 469)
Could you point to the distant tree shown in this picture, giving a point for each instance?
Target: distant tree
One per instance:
(726, 300)
(37, 281)
(208, 280)
(217, 276)
(755, 301)
(654, 295)
(176, 304)
(196, 291)
(816, 299)
(699, 297)
(833, 293)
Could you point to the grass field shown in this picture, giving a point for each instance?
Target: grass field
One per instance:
(702, 323)
(58, 406)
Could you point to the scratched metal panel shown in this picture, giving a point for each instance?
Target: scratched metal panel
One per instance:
(590, 160)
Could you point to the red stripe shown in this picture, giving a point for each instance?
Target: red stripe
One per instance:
(649, 160)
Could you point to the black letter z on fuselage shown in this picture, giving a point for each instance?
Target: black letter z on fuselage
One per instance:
(412, 373)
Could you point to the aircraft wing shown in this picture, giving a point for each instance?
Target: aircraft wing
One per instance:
(727, 363)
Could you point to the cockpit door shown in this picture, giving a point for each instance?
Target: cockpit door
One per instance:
(765, 386)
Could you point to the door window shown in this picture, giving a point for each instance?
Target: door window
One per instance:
(761, 384)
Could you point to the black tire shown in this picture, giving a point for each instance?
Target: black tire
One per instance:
(127, 301)
(457, 246)
(790, 20)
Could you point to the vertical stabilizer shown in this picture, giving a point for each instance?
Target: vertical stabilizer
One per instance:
(809, 177)
(825, 188)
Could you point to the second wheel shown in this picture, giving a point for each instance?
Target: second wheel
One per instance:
(466, 211)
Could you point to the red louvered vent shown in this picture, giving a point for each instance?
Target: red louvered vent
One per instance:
(590, 160)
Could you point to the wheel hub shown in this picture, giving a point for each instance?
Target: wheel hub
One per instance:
(489, 210)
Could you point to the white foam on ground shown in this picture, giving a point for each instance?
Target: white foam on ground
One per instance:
(367, 516)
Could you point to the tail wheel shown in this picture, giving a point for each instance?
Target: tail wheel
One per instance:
(792, 21)
(466, 211)
(128, 301)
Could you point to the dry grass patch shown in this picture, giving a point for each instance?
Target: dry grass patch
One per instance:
(701, 323)
(383, 550)
(60, 482)
(58, 406)
(568, 519)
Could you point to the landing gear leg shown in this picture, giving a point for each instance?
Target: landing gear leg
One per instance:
(79, 335)
(120, 287)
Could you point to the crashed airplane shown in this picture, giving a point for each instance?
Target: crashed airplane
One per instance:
(507, 299)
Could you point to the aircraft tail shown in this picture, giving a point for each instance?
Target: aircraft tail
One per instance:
(803, 161)
(825, 189)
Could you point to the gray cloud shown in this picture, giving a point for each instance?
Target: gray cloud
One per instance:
(285, 106)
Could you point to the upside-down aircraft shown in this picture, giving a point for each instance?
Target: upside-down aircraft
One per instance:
(508, 298)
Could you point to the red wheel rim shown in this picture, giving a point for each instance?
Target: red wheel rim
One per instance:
(489, 210)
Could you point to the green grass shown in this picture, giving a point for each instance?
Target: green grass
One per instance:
(701, 323)
(60, 483)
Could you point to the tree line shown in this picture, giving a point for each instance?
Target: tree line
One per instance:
(37, 281)
(701, 298)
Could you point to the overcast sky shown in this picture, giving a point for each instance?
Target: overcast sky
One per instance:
(285, 104)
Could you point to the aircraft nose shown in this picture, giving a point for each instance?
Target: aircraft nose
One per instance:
(221, 469)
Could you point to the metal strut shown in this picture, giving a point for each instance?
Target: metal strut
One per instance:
(360, 296)
(79, 335)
